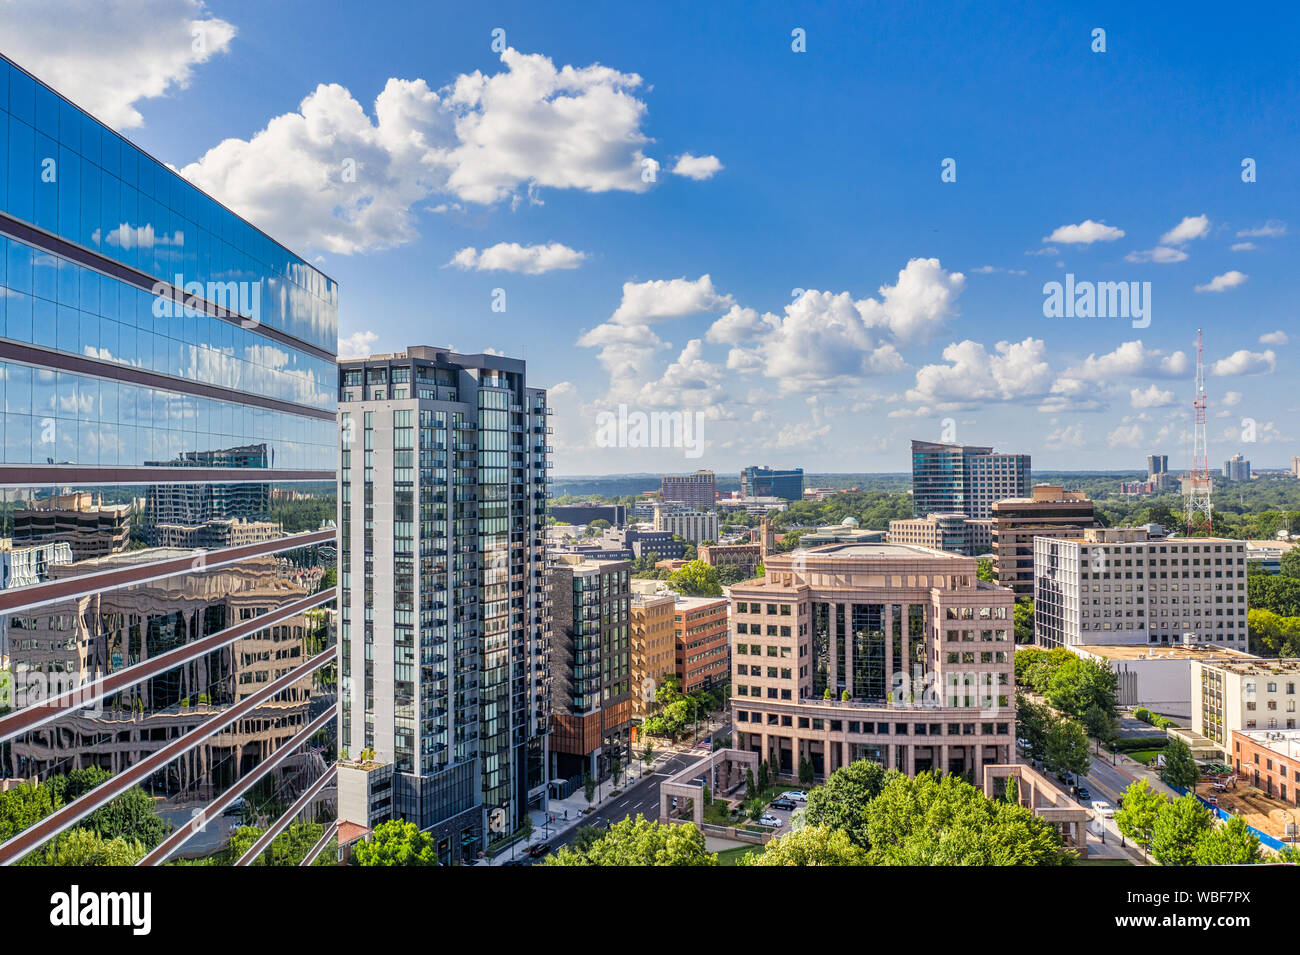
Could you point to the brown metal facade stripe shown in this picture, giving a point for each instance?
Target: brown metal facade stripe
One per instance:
(216, 807)
(23, 597)
(67, 816)
(27, 475)
(30, 717)
(47, 358)
(310, 793)
(33, 235)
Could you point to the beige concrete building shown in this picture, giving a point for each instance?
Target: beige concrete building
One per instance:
(694, 526)
(653, 645)
(919, 645)
(1246, 695)
(955, 533)
(1120, 585)
(1051, 511)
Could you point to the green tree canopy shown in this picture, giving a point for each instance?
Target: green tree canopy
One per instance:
(640, 842)
(1178, 828)
(1066, 749)
(811, 845)
(1231, 843)
(841, 803)
(1136, 818)
(696, 579)
(1180, 768)
(927, 821)
(396, 843)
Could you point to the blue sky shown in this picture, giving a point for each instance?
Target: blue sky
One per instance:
(524, 170)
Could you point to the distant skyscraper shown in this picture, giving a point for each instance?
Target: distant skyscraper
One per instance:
(769, 482)
(444, 612)
(1157, 464)
(957, 479)
(696, 490)
(1236, 468)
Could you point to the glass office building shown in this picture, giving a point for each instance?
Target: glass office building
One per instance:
(770, 482)
(167, 498)
(960, 479)
(444, 606)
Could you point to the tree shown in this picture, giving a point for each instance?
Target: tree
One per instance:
(1178, 828)
(750, 789)
(696, 579)
(616, 769)
(589, 788)
(648, 754)
(82, 847)
(984, 570)
(811, 845)
(805, 772)
(1032, 722)
(1012, 790)
(1231, 843)
(1139, 811)
(764, 780)
(1180, 769)
(640, 842)
(930, 820)
(760, 570)
(845, 696)
(1291, 563)
(586, 837)
(841, 803)
(22, 806)
(1066, 748)
(599, 524)
(397, 842)
(1023, 621)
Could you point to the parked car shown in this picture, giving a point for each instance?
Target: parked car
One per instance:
(1082, 793)
(786, 804)
(770, 820)
(1103, 809)
(795, 795)
(539, 850)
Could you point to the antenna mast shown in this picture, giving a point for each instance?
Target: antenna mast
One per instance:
(1197, 484)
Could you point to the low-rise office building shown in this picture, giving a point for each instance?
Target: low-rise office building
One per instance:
(694, 526)
(701, 636)
(889, 652)
(654, 645)
(1120, 585)
(1255, 693)
(1270, 761)
(955, 533)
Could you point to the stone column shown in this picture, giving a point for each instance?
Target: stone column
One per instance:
(846, 753)
(909, 759)
(943, 757)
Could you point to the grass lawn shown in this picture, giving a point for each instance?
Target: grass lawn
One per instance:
(732, 856)
(1103, 862)
(1144, 756)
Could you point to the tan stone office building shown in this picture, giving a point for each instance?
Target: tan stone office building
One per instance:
(1050, 511)
(921, 646)
(653, 646)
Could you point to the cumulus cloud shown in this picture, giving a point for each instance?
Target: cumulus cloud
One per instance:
(1278, 337)
(1221, 283)
(1192, 227)
(1066, 438)
(513, 257)
(1151, 397)
(1126, 436)
(1269, 230)
(108, 56)
(1085, 233)
(916, 306)
(697, 167)
(357, 345)
(329, 176)
(1243, 246)
(1230, 399)
(1131, 359)
(1011, 371)
(667, 298)
(1160, 254)
(1245, 362)
(741, 324)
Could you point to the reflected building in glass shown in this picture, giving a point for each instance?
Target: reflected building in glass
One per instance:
(167, 505)
(444, 611)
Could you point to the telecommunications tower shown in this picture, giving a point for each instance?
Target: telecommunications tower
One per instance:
(1197, 483)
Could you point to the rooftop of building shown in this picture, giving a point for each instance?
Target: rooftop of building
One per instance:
(697, 603)
(874, 551)
(1284, 742)
(1205, 652)
(585, 563)
(1263, 666)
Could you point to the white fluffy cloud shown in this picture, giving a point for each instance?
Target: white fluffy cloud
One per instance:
(1192, 227)
(741, 324)
(357, 345)
(329, 176)
(513, 257)
(1160, 254)
(1269, 230)
(1011, 371)
(108, 55)
(661, 299)
(1085, 233)
(1245, 362)
(1151, 397)
(916, 306)
(1126, 436)
(1221, 283)
(1131, 359)
(1278, 337)
(697, 167)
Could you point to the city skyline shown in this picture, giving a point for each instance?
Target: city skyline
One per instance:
(630, 241)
